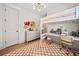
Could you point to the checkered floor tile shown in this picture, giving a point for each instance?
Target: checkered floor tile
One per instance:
(34, 48)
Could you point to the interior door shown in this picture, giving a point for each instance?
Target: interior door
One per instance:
(11, 19)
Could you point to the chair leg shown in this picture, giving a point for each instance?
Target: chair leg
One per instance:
(74, 54)
(67, 53)
(61, 48)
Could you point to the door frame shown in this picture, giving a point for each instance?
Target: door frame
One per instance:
(5, 28)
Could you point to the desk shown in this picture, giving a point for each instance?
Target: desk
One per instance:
(71, 43)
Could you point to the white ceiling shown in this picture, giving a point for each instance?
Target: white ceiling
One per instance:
(51, 8)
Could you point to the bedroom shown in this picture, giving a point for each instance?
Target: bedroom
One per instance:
(21, 26)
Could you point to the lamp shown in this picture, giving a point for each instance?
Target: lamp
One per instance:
(38, 6)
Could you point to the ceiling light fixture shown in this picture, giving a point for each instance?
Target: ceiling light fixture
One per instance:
(38, 6)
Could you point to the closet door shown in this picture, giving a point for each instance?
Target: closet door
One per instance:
(11, 31)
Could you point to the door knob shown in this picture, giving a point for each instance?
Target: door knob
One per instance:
(17, 31)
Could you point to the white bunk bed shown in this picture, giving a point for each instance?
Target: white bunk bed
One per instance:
(66, 15)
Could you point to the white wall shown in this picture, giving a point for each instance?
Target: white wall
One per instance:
(0, 27)
(21, 29)
(25, 15)
(58, 7)
(69, 25)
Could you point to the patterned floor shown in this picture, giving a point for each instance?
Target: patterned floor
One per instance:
(34, 48)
